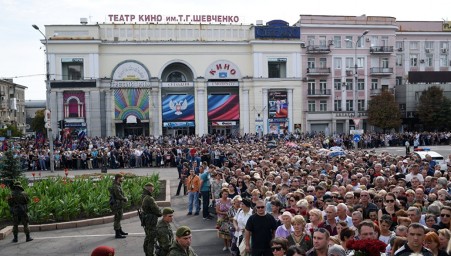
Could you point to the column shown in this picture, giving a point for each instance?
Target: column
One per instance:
(265, 110)
(245, 116)
(89, 113)
(155, 104)
(290, 109)
(110, 125)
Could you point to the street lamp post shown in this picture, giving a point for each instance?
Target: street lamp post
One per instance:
(47, 101)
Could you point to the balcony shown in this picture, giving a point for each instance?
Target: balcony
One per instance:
(379, 71)
(318, 71)
(381, 49)
(319, 93)
(318, 49)
(376, 92)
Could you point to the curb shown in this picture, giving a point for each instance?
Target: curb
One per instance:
(87, 222)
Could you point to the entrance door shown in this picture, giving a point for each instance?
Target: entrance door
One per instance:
(133, 131)
(221, 130)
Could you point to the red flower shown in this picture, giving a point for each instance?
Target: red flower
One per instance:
(307, 238)
(36, 199)
(369, 247)
(33, 174)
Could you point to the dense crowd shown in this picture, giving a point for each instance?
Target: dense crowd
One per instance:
(288, 185)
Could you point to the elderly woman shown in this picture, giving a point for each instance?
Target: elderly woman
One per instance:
(279, 246)
(444, 237)
(223, 204)
(285, 229)
(299, 237)
(316, 221)
(432, 242)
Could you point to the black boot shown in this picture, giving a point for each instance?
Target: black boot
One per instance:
(29, 238)
(122, 232)
(15, 240)
(118, 234)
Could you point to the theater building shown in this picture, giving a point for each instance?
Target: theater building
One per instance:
(156, 79)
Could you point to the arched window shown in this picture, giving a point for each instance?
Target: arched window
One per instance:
(73, 108)
(176, 76)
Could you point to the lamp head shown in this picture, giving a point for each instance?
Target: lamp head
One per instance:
(365, 32)
(35, 26)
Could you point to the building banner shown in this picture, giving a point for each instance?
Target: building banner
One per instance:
(223, 107)
(178, 107)
(278, 104)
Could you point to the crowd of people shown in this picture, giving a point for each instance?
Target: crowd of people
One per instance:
(290, 198)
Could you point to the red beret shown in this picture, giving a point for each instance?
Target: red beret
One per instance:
(103, 251)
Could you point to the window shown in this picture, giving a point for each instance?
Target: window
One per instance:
(360, 62)
(399, 60)
(73, 107)
(413, 45)
(337, 63)
(413, 60)
(429, 60)
(322, 62)
(337, 41)
(384, 40)
(399, 80)
(176, 76)
(349, 62)
(348, 42)
(443, 60)
(311, 88)
(374, 84)
(322, 41)
(277, 68)
(444, 47)
(361, 105)
(310, 40)
(311, 106)
(400, 45)
(311, 62)
(361, 84)
(349, 104)
(337, 105)
(337, 84)
(322, 86)
(384, 62)
(322, 105)
(72, 68)
(361, 42)
(349, 84)
(429, 45)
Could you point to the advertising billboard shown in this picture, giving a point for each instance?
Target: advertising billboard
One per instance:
(278, 104)
(223, 107)
(178, 107)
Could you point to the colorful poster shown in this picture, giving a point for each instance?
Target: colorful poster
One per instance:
(131, 102)
(223, 107)
(278, 104)
(178, 107)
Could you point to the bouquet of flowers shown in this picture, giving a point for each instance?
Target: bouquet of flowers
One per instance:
(367, 247)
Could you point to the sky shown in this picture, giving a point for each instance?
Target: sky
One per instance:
(22, 55)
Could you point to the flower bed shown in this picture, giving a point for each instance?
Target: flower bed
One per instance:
(57, 199)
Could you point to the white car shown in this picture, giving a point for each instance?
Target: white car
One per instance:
(435, 156)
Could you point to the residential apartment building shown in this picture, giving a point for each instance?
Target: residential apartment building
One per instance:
(12, 107)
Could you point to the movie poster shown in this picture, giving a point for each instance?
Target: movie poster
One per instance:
(278, 105)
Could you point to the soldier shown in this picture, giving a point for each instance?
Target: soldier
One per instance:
(151, 212)
(117, 201)
(182, 244)
(18, 203)
(165, 236)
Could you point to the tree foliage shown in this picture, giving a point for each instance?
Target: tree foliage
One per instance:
(14, 131)
(38, 124)
(10, 168)
(383, 111)
(433, 109)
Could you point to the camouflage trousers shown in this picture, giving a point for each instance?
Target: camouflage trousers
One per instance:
(20, 219)
(150, 240)
(118, 212)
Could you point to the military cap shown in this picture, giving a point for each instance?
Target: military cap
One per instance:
(18, 185)
(118, 175)
(148, 184)
(103, 251)
(183, 231)
(167, 210)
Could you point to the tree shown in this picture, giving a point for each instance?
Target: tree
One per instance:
(10, 170)
(14, 131)
(383, 111)
(433, 109)
(38, 124)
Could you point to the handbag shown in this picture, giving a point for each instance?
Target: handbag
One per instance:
(242, 248)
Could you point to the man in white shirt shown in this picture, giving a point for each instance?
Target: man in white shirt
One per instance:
(414, 172)
(342, 214)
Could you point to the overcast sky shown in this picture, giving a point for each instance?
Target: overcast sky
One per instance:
(22, 55)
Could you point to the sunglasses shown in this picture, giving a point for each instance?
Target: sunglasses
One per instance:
(259, 207)
(310, 191)
(445, 215)
(389, 201)
(276, 248)
(321, 230)
(353, 179)
(378, 201)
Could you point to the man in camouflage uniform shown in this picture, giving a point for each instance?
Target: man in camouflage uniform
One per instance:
(18, 203)
(182, 244)
(117, 201)
(165, 236)
(150, 212)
